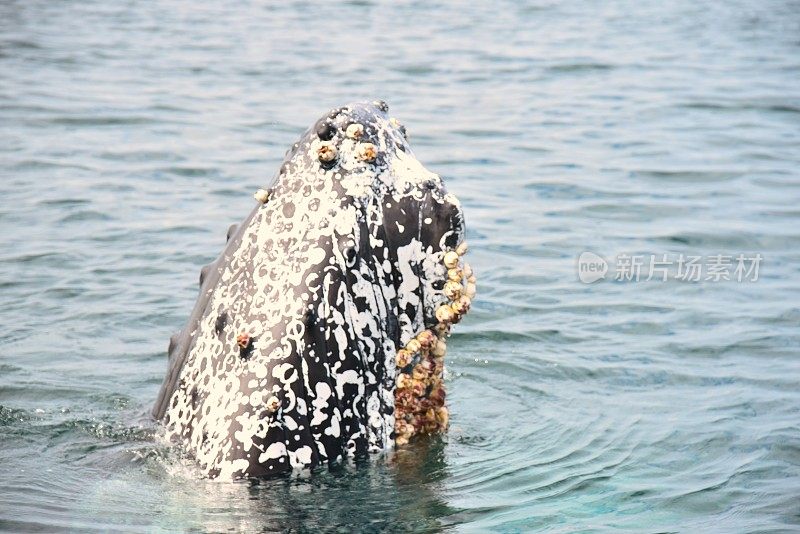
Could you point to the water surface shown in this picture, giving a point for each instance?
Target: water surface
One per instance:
(132, 134)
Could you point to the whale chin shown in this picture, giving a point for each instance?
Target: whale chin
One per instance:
(319, 332)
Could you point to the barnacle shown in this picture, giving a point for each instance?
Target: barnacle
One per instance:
(355, 131)
(454, 274)
(426, 339)
(461, 305)
(403, 381)
(413, 346)
(403, 358)
(262, 195)
(326, 151)
(452, 289)
(366, 152)
(444, 313)
(273, 404)
(440, 349)
(450, 259)
(419, 372)
(470, 290)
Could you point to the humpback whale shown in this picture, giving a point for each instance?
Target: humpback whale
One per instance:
(320, 331)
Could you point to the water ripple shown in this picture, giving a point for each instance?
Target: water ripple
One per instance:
(133, 136)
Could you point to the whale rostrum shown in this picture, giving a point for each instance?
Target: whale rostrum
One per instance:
(320, 331)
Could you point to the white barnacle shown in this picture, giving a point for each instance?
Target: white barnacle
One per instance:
(262, 195)
(445, 314)
(355, 131)
(403, 358)
(366, 152)
(273, 404)
(426, 339)
(452, 290)
(471, 290)
(461, 305)
(454, 274)
(403, 381)
(326, 151)
(440, 348)
(450, 259)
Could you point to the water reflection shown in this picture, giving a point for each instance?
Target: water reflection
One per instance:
(400, 491)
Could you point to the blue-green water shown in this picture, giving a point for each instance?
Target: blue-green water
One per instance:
(133, 133)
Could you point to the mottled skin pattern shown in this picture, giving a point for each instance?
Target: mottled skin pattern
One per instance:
(288, 359)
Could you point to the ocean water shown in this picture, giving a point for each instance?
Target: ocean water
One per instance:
(133, 133)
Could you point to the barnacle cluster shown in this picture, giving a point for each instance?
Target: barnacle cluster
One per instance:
(419, 393)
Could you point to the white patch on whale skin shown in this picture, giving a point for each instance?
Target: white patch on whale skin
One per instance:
(280, 370)
(274, 451)
(323, 393)
(300, 457)
(334, 429)
(290, 423)
(346, 377)
(407, 171)
(233, 469)
(249, 429)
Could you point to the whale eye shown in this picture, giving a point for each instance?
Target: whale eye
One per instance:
(325, 130)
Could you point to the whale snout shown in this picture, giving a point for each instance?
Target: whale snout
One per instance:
(320, 330)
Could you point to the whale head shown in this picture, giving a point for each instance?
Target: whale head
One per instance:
(319, 331)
